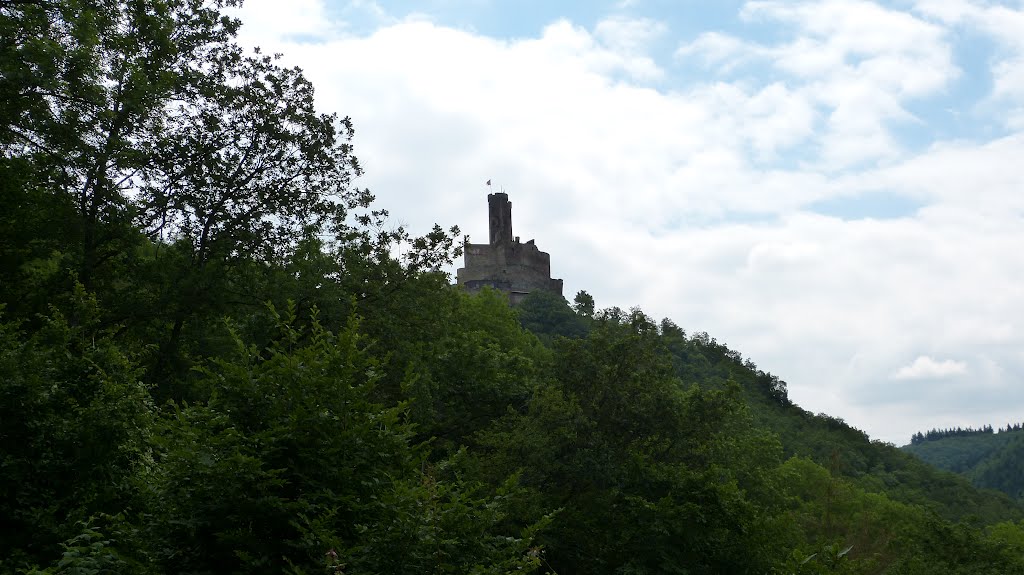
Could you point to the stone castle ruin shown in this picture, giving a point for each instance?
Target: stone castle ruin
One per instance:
(505, 263)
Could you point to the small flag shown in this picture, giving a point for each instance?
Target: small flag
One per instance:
(488, 182)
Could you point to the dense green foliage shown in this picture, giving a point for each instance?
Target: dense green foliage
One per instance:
(213, 361)
(989, 460)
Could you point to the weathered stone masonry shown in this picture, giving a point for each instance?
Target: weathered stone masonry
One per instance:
(505, 263)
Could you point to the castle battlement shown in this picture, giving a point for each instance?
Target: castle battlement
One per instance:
(505, 263)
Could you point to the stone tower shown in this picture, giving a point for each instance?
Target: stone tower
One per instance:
(505, 263)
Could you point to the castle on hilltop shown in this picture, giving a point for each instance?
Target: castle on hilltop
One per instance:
(505, 263)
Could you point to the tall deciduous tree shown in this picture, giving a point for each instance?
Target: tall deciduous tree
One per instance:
(85, 84)
(245, 169)
(247, 165)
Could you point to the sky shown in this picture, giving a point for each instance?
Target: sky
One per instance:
(833, 188)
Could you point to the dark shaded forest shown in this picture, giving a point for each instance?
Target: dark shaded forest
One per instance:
(218, 355)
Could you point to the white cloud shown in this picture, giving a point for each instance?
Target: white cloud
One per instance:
(846, 35)
(265, 22)
(719, 50)
(630, 35)
(946, 11)
(925, 367)
(856, 63)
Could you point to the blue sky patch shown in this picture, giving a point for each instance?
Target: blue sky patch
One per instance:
(871, 205)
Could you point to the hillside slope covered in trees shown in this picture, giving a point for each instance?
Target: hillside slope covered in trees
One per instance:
(875, 466)
(988, 459)
(212, 361)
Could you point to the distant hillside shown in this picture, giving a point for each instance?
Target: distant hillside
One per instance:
(987, 459)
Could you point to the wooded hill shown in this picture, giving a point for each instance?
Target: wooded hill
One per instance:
(986, 458)
(213, 361)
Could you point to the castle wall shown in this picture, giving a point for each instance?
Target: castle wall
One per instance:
(506, 263)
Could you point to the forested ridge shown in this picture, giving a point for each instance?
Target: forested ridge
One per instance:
(989, 458)
(217, 355)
